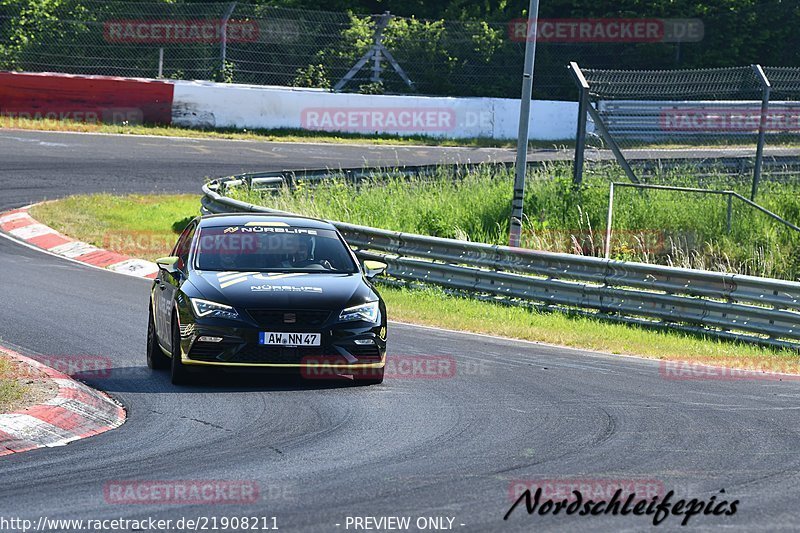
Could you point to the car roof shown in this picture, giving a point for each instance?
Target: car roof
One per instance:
(240, 219)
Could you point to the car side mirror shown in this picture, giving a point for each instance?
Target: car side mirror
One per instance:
(169, 264)
(374, 268)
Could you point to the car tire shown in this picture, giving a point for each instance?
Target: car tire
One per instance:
(375, 377)
(156, 359)
(179, 375)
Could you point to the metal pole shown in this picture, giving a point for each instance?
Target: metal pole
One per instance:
(515, 225)
(376, 58)
(161, 62)
(765, 90)
(609, 220)
(580, 135)
(223, 52)
(730, 213)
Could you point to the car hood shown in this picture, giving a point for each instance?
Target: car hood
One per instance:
(283, 291)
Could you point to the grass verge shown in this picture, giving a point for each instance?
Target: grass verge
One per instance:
(12, 390)
(144, 226)
(89, 217)
(272, 135)
(684, 229)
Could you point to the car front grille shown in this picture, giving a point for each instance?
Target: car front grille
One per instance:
(290, 319)
(253, 353)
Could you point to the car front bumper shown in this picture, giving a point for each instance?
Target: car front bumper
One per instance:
(239, 347)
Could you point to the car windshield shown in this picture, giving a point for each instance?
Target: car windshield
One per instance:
(271, 247)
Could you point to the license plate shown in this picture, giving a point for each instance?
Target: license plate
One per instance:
(269, 338)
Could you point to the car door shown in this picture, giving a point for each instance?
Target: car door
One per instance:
(168, 285)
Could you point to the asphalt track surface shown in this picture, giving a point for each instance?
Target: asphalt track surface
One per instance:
(410, 447)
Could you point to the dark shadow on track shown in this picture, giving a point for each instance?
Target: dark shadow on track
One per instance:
(140, 379)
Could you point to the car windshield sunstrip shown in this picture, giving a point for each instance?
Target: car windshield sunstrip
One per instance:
(256, 248)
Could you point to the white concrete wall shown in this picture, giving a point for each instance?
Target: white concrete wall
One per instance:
(207, 104)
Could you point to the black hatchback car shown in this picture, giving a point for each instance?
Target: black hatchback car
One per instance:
(266, 292)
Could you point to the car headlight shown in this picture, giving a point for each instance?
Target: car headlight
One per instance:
(367, 312)
(206, 308)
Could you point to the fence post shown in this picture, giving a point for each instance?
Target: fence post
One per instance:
(378, 39)
(580, 135)
(161, 62)
(730, 214)
(609, 220)
(765, 90)
(376, 51)
(223, 49)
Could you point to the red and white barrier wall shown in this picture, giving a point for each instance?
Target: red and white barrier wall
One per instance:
(85, 98)
(220, 105)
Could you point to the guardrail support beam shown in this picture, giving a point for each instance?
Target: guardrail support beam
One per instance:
(601, 127)
(580, 135)
(766, 87)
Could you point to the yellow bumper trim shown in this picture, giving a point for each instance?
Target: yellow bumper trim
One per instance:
(343, 367)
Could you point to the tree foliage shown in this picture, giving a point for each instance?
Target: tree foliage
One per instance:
(449, 47)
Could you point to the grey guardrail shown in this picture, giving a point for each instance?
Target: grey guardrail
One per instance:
(732, 306)
(776, 167)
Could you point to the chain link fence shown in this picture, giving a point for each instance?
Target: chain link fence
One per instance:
(740, 107)
(266, 45)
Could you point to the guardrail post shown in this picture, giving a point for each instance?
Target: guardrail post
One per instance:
(730, 212)
(765, 90)
(609, 220)
(580, 135)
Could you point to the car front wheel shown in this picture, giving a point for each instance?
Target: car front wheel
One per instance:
(155, 356)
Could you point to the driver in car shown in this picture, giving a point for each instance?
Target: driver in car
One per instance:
(299, 253)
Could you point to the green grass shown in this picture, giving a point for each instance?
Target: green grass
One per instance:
(144, 226)
(435, 308)
(89, 218)
(12, 392)
(674, 228)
